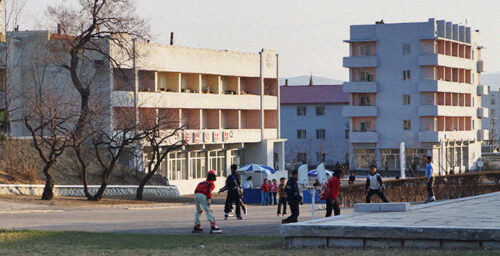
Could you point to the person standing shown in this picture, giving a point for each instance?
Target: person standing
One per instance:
(294, 198)
(265, 188)
(374, 183)
(352, 178)
(333, 188)
(274, 191)
(202, 199)
(248, 184)
(233, 193)
(282, 197)
(430, 180)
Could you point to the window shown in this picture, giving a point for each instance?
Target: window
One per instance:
(406, 74)
(217, 161)
(364, 50)
(320, 110)
(320, 157)
(364, 157)
(301, 110)
(406, 99)
(198, 165)
(492, 101)
(347, 133)
(406, 49)
(365, 76)
(492, 112)
(364, 100)
(301, 157)
(365, 126)
(390, 158)
(320, 134)
(301, 134)
(177, 167)
(407, 124)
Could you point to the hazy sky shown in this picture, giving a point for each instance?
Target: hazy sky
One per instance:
(308, 35)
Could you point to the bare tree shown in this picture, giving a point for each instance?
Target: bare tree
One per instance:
(159, 143)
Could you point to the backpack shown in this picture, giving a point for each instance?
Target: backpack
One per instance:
(324, 193)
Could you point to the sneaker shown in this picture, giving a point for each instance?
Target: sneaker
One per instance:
(225, 217)
(197, 229)
(239, 218)
(230, 214)
(278, 214)
(433, 199)
(284, 214)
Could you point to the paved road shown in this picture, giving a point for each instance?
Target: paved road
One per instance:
(164, 219)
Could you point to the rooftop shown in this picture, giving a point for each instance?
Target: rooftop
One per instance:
(314, 94)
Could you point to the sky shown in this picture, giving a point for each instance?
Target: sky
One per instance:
(308, 35)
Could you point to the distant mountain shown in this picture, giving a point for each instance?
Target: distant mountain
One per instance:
(491, 79)
(304, 80)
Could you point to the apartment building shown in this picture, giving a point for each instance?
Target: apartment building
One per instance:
(312, 123)
(490, 123)
(418, 83)
(228, 102)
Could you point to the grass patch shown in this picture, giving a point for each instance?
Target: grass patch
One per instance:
(84, 243)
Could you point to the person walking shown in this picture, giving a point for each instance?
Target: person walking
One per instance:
(265, 188)
(274, 191)
(374, 183)
(233, 193)
(294, 198)
(430, 180)
(333, 189)
(282, 197)
(202, 199)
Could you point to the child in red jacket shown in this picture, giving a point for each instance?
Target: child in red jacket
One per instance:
(265, 188)
(202, 199)
(333, 186)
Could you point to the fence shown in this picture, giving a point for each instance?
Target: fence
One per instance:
(415, 189)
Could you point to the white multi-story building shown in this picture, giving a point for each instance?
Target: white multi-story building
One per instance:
(418, 83)
(491, 102)
(312, 123)
(229, 101)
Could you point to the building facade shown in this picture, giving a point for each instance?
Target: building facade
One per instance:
(227, 102)
(417, 83)
(492, 103)
(312, 123)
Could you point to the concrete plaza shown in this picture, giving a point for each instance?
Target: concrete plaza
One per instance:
(472, 222)
(162, 218)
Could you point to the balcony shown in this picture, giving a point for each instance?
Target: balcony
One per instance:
(444, 60)
(483, 90)
(483, 134)
(482, 113)
(192, 100)
(444, 86)
(439, 110)
(360, 87)
(436, 137)
(360, 62)
(363, 137)
(354, 111)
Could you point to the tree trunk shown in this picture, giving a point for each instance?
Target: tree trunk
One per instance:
(84, 173)
(145, 180)
(48, 190)
(100, 192)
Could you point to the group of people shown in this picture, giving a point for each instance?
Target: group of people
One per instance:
(288, 192)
